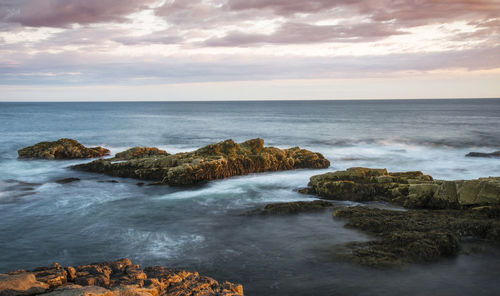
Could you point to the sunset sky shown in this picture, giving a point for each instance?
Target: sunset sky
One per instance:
(248, 49)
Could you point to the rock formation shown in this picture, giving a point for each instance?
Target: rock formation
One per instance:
(215, 161)
(482, 154)
(112, 279)
(416, 236)
(410, 189)
(61, 149)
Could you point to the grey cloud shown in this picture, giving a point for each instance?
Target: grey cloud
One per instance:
(62, 13)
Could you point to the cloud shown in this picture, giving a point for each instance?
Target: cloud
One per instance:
(298, 33)
(62, 13)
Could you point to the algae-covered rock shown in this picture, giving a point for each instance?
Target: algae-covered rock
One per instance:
(417, 236)
(409, 189)
(215, 161)
(138, 152)
(61, 149)
(115, 278)
(295, 207)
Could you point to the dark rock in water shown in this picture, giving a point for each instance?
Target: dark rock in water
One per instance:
(417, 236)
(139, 152)
(67, 180)
(286, 208)
(481, 154)
(216, 161)
(410, 189)
(61, 149)
(18, 188)
(113, 278)
(140, 184)
(108, 181)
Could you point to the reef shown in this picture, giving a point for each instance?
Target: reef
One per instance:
(409, 189)
(215, 161)
(417, 236)
(118, 278)
(61, 149)
(295, 207)
(482, 154)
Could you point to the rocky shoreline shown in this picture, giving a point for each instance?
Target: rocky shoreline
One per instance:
(116, 278)
(440, 213)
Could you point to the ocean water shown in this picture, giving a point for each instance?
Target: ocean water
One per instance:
(201, 228)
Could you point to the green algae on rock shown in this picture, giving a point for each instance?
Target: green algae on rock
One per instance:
(295, 207)
(61, 149)
(139, 152)
(417, 236)
(215, 161)
(410, 189)
(116, 278)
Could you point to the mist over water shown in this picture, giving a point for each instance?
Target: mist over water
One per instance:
(202, 228)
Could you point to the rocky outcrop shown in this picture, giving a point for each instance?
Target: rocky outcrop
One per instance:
(216, 161)
(61, 149)
(112, 279)
(295, 207)
(139, 152)
(482, 154)
(410, 189)
(416, 236)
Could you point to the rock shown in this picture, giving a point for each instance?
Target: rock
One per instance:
(417, 236)
(285, 208)
(115, 278)
(215, 161)
(61, 149)
(67, 180)
(21, 284)
(481, 154)
(53, 275)
(77, 290)
(409, 189)
(139, 152)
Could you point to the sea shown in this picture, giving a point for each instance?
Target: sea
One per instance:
(202, 228)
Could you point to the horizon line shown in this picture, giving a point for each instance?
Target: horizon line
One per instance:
(236, 100)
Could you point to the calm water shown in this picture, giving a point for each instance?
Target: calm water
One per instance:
(201, 228)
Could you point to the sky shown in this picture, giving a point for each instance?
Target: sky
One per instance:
(101, 50)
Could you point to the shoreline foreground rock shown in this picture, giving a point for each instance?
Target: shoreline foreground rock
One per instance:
(215, 161)
(116, 278)
(62, 149)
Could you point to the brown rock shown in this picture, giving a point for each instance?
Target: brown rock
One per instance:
(139, 152)
(22, 283)
(409, 189)
(215, 161)
(61, 149)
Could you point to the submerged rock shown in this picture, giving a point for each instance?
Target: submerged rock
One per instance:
(417, 236)
(139, 152)
(215, 161)
(482, 154)
(61, 149)
(286, 208)
(116, 278)
(410, 189)
(67, 180)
